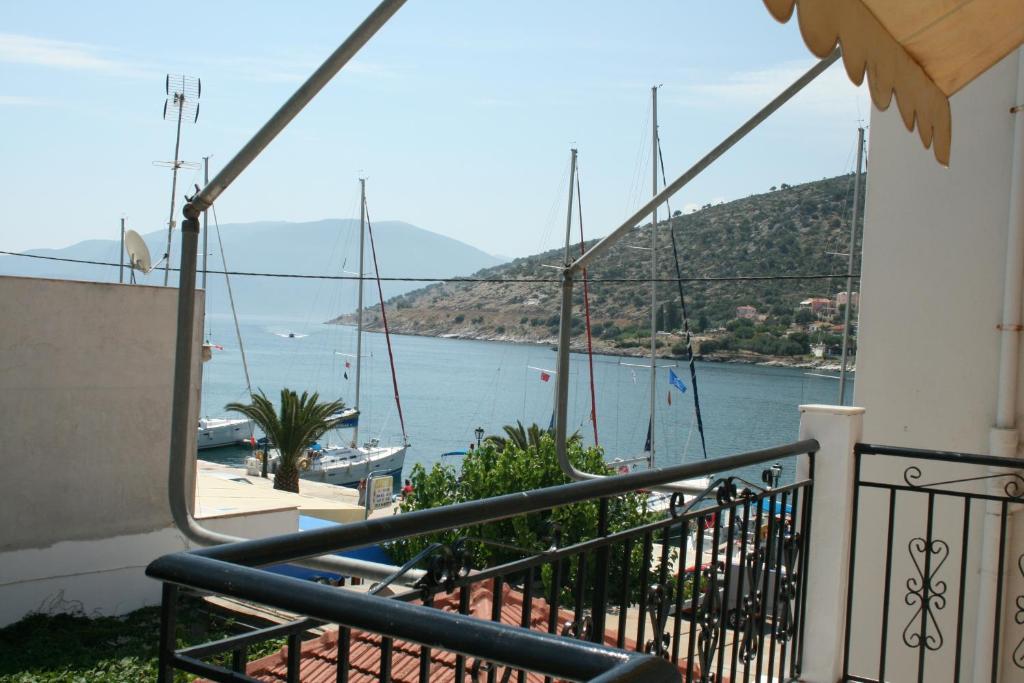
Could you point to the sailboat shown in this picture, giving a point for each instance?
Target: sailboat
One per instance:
(351, 464)
(657, 501)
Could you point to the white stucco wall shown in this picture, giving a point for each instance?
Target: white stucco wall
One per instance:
(928, 357)
(85, 393)
(934, 256)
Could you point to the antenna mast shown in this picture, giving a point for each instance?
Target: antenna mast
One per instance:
(182, 100)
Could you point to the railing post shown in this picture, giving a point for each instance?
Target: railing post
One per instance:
(836, 429)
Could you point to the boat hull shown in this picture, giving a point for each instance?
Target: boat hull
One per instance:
(217, 432)
(346, 466)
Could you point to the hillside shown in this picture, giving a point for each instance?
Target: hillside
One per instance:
(787, 231)
(315, 248)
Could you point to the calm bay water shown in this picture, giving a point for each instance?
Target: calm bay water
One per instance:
(449, 387)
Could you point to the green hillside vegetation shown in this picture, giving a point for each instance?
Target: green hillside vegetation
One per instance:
(787, 231)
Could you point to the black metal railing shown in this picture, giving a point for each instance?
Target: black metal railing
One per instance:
(712, 589)
(915, 554)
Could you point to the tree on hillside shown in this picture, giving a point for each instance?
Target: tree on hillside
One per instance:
(301, 421)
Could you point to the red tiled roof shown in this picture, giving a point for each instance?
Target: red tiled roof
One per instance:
(319, 659)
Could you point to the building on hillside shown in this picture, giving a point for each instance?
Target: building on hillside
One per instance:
(842, 297)
(746, 312)
(818, 305)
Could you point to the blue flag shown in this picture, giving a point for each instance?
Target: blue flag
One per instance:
(674, 380)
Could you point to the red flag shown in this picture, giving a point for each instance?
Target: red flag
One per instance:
(544, 377)
(347, 364)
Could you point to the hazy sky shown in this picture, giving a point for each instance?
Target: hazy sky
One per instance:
(461, 114)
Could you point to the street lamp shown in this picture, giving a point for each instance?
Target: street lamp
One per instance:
(479, 431)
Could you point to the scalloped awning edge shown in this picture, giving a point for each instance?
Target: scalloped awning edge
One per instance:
(868, 48)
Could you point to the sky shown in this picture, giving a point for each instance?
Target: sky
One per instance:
(460, 114)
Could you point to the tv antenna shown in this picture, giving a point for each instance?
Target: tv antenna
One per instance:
(182, 102)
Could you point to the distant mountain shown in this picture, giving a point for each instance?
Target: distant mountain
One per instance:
(324, 247)
(787, 231)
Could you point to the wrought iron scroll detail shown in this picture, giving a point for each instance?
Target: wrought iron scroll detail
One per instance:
(581, 629)
(723, 491)
(749, 616)
(659, 600)
(1013, 487)
(481, 669)
(789, 586)
(926, 592)
(708, 616)
(446, 565)
(1018, 652)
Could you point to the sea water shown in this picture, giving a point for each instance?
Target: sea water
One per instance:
(449, 387)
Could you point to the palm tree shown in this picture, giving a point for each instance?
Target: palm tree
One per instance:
(302, 420)
(523, 437)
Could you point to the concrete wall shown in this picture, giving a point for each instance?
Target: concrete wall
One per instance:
(931, 298)
(85, 394)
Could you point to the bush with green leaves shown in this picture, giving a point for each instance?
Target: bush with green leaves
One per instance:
(508, 465)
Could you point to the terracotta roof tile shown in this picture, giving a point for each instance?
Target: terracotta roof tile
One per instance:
(319, 660)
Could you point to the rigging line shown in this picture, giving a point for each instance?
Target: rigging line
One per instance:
(302, 276)
(686, 319)
(230, 298)
(586, 308)
(384, 318)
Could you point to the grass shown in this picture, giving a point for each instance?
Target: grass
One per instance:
(72, 648)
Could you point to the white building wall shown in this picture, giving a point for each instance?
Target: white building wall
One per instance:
(86, 374)
(928, 352)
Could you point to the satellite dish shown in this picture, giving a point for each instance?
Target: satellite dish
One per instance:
(138, 252)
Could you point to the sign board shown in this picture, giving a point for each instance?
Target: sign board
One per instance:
(380, 492)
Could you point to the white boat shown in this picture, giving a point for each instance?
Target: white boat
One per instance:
(223, 431)
(341, 465)
(348, 465)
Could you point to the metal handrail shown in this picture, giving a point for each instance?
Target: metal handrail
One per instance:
(298, 545)
(943, 456)
(505, 645)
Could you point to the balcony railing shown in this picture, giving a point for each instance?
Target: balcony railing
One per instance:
(915, 566)
(713, 589)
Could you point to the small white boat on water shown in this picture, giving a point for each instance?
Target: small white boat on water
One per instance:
(223, 431)
(341, 465)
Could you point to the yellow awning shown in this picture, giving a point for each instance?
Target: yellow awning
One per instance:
(923, 51)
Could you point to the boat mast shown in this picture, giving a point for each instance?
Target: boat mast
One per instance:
(206, 227)
(359, 309)
(849, 266)
(654, 263)
(567, 259)
(568, 213)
